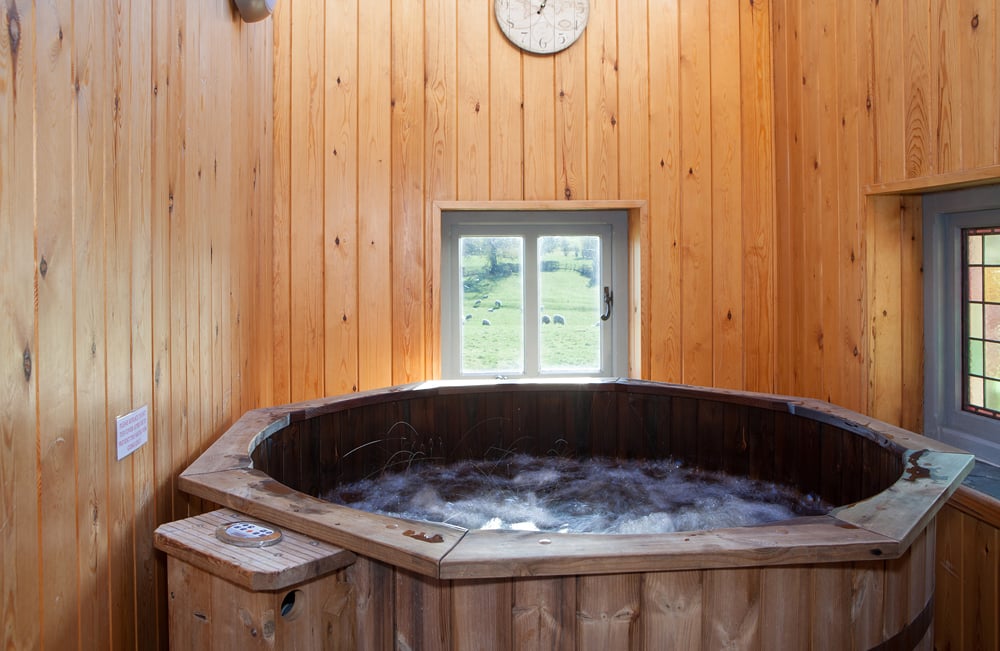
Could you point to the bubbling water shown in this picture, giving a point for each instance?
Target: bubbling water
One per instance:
(557, 494)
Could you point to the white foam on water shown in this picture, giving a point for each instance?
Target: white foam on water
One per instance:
(557, 494)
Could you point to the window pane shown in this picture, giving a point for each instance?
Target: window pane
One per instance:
(570, 296)
(492, 299)
(981, 297)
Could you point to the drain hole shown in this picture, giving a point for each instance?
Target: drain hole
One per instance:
(291, 605)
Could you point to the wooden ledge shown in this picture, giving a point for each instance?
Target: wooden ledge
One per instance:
(295, 559)
(937, 182)
(979, 505)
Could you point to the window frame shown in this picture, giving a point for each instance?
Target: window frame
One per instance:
(946, 214)
(610, 224)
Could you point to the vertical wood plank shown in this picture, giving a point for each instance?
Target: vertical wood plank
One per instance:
(664, 195)
(340, 198)
(911, 337)
(490, 605)
(441, 161)
(543, 614)
(809, 281)
(571, 123)
(375, 589)
(307, 328)
(980, 579)
(375, 307)
(867, 595)
(726, 196)
(601, 46)
(539, 128)
(885, 352)
(758, 201)
(54, 221)
(978, 52)
(141, 341)
(506, 118)
(672, 610)
(408, 184)
(784, 602)
(118, 305)
(697, 354)
(280, 293)
(423, 610)
(160, 306)
(945, 73)
(921, 96)
(830, 627)
(853, 147)
(21, 555)
(608, 608)
(474, 101)
(949, 605)
(732, 605)
(889, 99)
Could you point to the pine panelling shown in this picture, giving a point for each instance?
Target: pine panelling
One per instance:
(977, 45)
(473, 82)
(945, 62)
(664, 194)
(872, 121)
(375, 313)
(602, 100)
(21, 555)
(506, 124)
(758, 178)
(54, 299)
(571, 123)
(539, 128)
(108, 264)
(919, 93)
(160, 414)
(697, 360)
(848, 387)
(448, 109)
(440, 151)
(90, 161)
(407, 229)
(809, 280)
(140, 289)
(727, 195)
(281, 235)
(341, 190)
(306, 216)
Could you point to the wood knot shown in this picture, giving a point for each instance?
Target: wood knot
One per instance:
(975, 22)
(13, 30)
(336, 240)
(568, 193)
(43, 267)
(26, 363)
(477, 107)
(614, 121)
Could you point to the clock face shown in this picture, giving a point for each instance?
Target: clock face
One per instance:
(542, 26)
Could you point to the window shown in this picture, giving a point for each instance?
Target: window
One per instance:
(962, 319)
(534, 293)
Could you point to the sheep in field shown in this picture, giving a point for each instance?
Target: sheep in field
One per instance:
(558, 319)
(486, 322)
(546, 319)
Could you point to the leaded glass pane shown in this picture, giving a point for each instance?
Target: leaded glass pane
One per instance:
(981, 295)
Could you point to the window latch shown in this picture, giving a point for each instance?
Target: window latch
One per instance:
(609, 299)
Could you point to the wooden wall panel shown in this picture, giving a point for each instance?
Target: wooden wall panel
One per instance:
(893, 106)
(128, 279)
(448, 109)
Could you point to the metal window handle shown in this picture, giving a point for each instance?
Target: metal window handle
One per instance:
(609, 299)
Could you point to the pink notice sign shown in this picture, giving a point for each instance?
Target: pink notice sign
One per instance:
(133, 431)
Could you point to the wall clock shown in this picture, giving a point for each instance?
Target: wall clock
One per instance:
(542, 26)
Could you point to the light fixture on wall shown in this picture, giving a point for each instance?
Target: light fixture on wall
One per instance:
(255, 10)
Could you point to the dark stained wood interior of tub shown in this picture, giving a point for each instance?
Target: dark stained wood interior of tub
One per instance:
(756, 436)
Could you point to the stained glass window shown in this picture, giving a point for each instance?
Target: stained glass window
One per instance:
(981, 255)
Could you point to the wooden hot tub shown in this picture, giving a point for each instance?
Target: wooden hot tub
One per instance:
(860, 577)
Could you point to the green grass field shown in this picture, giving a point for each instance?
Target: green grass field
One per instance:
(499, 346)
